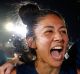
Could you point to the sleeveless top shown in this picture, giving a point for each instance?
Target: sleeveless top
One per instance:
(30, 69)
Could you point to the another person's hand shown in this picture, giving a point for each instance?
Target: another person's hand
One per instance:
(6, 68)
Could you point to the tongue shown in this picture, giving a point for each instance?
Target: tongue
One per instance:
(55, 54)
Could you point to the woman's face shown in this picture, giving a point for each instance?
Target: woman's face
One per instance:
(51, 40)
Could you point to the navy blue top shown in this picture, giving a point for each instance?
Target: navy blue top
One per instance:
(30, 69)
(26, 69)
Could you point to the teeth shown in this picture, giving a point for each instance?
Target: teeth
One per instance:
(58, 47)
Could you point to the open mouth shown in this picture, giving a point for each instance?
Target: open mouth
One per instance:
(57, 48)
(56, 52)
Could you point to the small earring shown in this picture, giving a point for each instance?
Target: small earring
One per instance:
(66, 56)
(34, 58)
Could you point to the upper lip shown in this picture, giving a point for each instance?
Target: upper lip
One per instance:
(57, 45)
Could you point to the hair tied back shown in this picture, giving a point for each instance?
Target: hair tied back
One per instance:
(26, 12)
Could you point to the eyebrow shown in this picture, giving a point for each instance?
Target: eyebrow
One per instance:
(63, 27)
(53, 27)
(49, 27)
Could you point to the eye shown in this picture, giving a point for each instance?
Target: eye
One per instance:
(48, 32)
(64, 31)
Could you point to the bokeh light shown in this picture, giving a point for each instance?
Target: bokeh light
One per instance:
(19, 29)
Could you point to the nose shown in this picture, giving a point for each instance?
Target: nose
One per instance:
(57, 37)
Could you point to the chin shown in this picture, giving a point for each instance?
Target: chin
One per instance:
(57, 64)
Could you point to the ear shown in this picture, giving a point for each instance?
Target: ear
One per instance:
(31, 42)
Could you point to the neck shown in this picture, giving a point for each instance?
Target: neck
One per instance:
(43, 68)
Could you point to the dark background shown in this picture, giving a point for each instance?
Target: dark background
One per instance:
(70, 9)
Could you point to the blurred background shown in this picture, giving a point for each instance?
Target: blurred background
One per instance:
(11, 26)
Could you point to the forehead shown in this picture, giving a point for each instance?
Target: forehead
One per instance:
(51, 19)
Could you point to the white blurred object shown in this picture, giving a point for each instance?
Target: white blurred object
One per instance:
(66, 56)
(18, 29)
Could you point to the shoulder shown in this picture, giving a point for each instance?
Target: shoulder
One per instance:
(25, 66)
(28, 68)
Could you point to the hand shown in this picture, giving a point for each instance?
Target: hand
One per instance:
(6, 68)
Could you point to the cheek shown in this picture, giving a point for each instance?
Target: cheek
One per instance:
(43, 45)
(66, 40)
(43, 41)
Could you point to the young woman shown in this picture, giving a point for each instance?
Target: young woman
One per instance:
(47, 41)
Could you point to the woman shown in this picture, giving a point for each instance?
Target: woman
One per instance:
(47, 40)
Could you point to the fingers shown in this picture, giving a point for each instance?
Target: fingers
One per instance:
(6, 68)
(2, 70)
